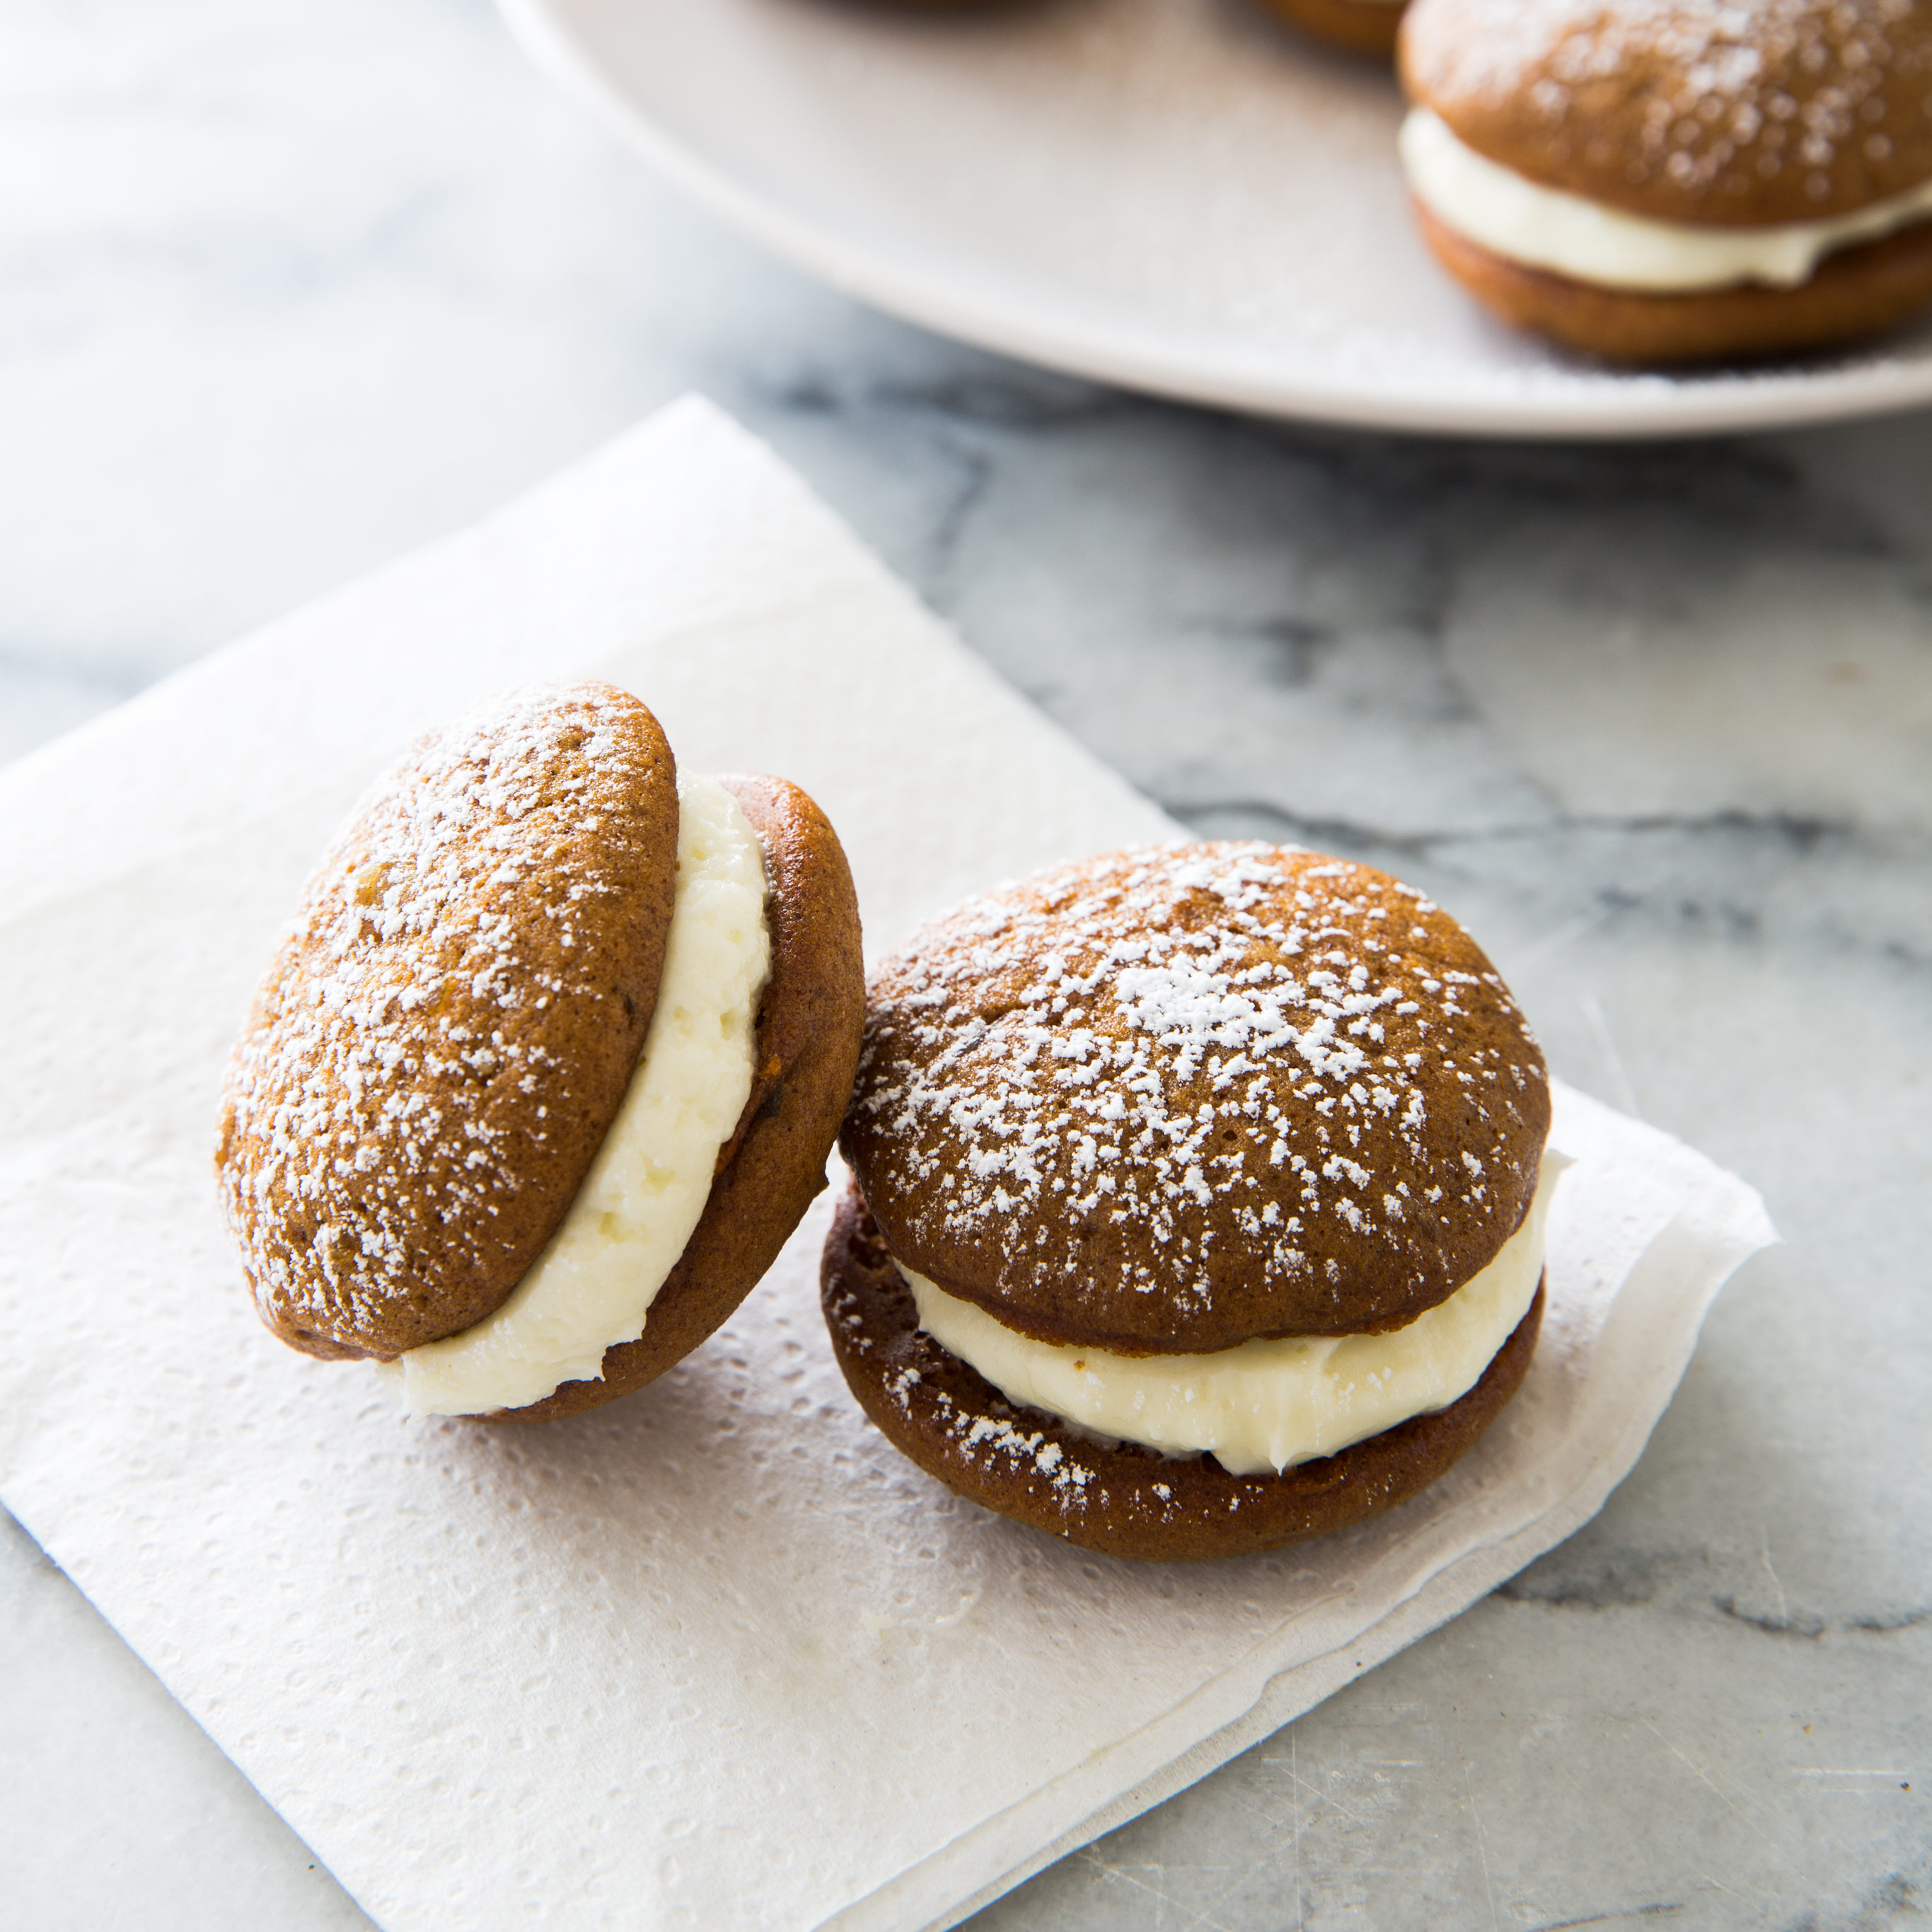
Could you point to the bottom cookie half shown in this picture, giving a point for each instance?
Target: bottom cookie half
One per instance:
(1124, 1500)
(1861, 291)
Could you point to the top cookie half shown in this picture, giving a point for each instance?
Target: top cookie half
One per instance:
(1738, 112)
(449, 1028)
(1170, 1099)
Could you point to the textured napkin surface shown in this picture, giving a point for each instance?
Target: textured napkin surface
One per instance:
(714, 1656)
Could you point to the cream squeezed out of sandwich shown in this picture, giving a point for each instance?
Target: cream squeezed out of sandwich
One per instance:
(1547, 228)
(593, 1285)
(1264, 1406)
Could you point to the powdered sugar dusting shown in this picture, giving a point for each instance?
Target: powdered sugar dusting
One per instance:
(999, 1442)
(1813, 103)
(1248, 1083)
(405, 1082)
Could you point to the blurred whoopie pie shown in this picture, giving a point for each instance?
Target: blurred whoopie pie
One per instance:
(1362, 26)
(1676, 181)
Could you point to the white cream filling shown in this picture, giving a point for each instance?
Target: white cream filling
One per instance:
(593, 1284)
(1545, 228)
(1265, 1405)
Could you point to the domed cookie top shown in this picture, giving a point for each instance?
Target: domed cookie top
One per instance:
(1172, 1099)
(450, 1026)
(1687, 110)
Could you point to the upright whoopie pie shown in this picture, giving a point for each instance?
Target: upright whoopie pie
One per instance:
(1362, 26)
(1198, 1198)
(1677, 181)
(548, 1063)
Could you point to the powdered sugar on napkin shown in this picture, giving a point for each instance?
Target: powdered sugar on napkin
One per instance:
(714, 1656)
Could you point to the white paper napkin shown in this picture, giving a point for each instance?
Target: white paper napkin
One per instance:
(716, 1656)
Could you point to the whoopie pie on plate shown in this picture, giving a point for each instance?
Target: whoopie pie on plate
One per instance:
(1198, 1198)
(547, 1065)
(1676, 181)
(1361, 26)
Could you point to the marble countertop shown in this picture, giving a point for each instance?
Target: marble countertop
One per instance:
(287, 288)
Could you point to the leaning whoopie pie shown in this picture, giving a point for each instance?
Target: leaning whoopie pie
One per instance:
(1199, 1199)
(1362, 26)
(548, 1064)
(1676, 181)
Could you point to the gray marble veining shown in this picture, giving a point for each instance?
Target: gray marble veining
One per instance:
(287, 288)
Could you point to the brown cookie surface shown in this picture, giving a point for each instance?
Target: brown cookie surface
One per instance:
(809, 1026)
(431, 1063)
(1123, 1500)
(1362, 26)
(1687, 110)
(1858, 292)
(1170, 1100)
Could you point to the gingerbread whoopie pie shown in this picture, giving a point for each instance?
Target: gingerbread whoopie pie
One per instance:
(548, 1064)
(1197, 1202)
(1676, 181)
(1361, 26)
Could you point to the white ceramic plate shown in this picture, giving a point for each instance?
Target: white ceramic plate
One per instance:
(1170, 194)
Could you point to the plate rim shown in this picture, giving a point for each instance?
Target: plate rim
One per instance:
(1638, 411)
